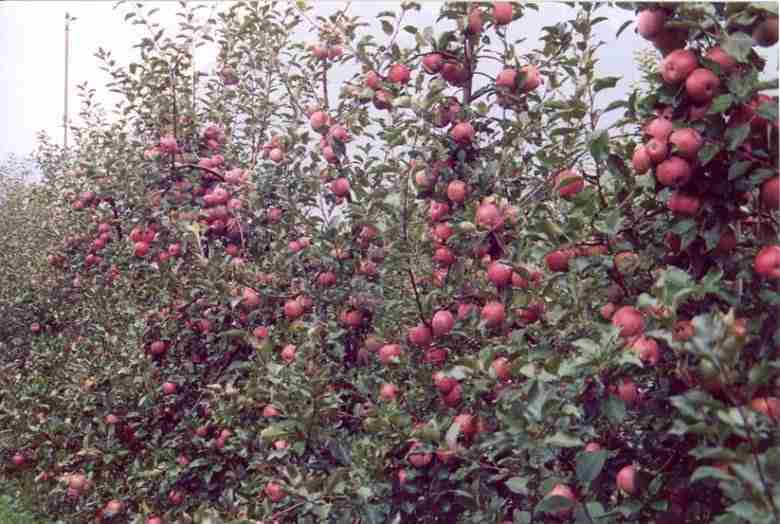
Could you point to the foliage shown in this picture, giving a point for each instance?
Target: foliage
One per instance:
(425, 297)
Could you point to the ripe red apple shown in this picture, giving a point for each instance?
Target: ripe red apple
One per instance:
(442, 323)
(432, 63)
(630, 321)
(457, 190)
(444, 256)
(260, 332)
(250, 298)
(770, 193)
(438, 211)
(399, 74)
(175, 497)
(373, 80)
(649, 23)
(442, 231)
(569, 183)
(674, 171)
(420, 335)
(688, 141)
(113, 507)
(274, 491)
(418, 459)
(462, 133)
(558, 260)
(702, 85)
(683, 204)
(627, 390)
(502, 368)
(678, 65)
(499, 274)
(154, 519)
(592, 447)
(494, 314)
(641, 160)
(532, 78)
(767, 262)
(657, 150)
(288, 353)
(727, 242)
(454, 73)
(502, 13)
(607, 310)
(293, 309)
(388, 392)
(507, 79)
(270, 411)
(474, 23)
(726, 62)
(659, 128)
(388, 352)
(111, 419)
(647, 349)
(141, 249)
(626, 480)
(488, 216)
(562, 490)
(169, 388)
(318, 120)
(765, 33)
(18, 460)
(157, 347)
(768, 406)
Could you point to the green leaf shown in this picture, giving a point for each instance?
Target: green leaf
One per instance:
(720, 104)
(739, 168)
(708, 472)
(768, 110)
(605, 83)
(736, 135)
(589, 465)
(518, 485)
(614, 408)
(599, 146)
(562, 440)
(623, 27)
(708, 152)
(554, 504)
(387, 27)
(739, 46)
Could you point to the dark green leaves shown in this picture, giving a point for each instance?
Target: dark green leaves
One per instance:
(739, 46)
(589, 465)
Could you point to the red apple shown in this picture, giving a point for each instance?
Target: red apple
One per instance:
(288, 353)
(531, 77)
(702, 85)
(768, 406)
(562, 490)
(647, 349)
(569, 183)
(474, 23)
(157, 347)
(683, 204)
(493, 313)
(274, 491)
(438, 211)
(767, 262)
(641, 160)
(457, 190)
(502, 368)
(175, 497)
(678, 65)
(499, 274)
(502, 13)
(770, 193)
(674, 171)
(293, 309)
(627, 390)
(765, 33)
(388, 352)
(169, 388)
(558, 260)
(507, 79)
(388, 392)
(488, 216)
(649, 22)
(659, 128)
(113, 507)
(688, 141)
(607, 310)
(432, 63)
(270, 411)
(629, 320)
(420, 335)
(373, 80)
(657, 150)
(462, 133)
(442, 322)
(399, 74)
(592, 447)
(454, 73)
(626, 480)
(726, 62)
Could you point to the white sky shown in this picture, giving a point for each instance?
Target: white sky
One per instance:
(32, 44)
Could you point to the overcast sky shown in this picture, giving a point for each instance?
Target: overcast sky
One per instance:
(32, 65)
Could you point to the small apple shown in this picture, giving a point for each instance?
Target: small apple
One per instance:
(629, 320)
(502, 13)
(702, 85)
(626, 480)
(674, 171)
(767, 262)
(494, 314)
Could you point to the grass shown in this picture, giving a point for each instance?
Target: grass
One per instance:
(11, 513)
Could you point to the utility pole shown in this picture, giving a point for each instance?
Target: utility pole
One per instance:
(65, 112)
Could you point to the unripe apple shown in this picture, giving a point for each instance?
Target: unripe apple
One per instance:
(274, 491)
(499, 274)
(569, 183)
(462, 133)
(649, 23)
(641, 160)
(626, 480)
(674, 172)
(432, 63)
(768, 406)
(442, 322)
(399, 74)
(678, 65)
(388, 392)
(657, 150)
(702, 85)
(629, 320)
(494, 314)
(765, 33)
(770, 193)
(627, 390)
(683, 204)
(726, 62)
(562, 490)
(767, 262)
(502, 13)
